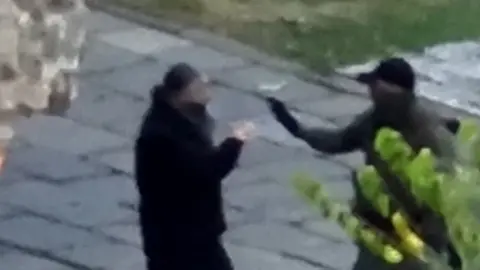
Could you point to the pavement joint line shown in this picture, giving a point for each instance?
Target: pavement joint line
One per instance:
(283, 254)
(89, 229)
(44, 254)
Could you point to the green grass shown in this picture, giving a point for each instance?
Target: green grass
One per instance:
(323, 34)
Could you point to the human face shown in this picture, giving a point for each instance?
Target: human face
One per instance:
(197, 92)
(388, 96)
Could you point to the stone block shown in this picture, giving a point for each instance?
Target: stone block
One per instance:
(100, 56)
(260, 80)
(266, 202)
(97, 253)
(40, 234)
(339, 190)
(336, 106)
(245, 258)
(259, 151)
(51, 165)
(202, 58)
(103, 107)
(280, 239)
(122, 160)
(99, 201)
(86, 203)
(283, 171)
(5, 211)
(66, 135)
(137, 79)
(125, 232)
(339, 256)
(99, 22)
(326, 229)
(229, 105)
(11, 175)
(22, 261)
(143, 41)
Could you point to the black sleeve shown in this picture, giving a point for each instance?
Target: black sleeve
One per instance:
(331, 141)
(214, 165)
(453, 124)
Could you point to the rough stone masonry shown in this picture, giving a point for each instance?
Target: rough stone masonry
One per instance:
(40, 48)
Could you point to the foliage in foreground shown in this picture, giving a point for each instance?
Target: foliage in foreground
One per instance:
(452, 195)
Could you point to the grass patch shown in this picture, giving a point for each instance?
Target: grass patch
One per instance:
(323, 34)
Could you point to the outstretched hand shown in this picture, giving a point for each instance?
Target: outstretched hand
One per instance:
(275, 105)
(282, 115)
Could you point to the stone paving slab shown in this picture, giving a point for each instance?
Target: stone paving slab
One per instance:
(200, 57)
(66, 135)
(282, 239)
(260, 80)
(86, 203)
(142, 41)
(129, 233)
(19, 261)
(38, 233)
(230, 106)
(121, 160)
(11, 175)
(98, 254)
(103, 107)
(100, 22)
(136, 80)
(247, 258)
(47, 164)
(100, 56)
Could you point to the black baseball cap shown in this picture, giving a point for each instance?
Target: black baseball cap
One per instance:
(395, 70)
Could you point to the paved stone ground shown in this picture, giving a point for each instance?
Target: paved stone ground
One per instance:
(67, 196)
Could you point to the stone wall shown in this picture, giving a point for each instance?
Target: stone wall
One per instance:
(40, 48)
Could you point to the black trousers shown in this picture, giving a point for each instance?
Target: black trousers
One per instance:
(191, 256)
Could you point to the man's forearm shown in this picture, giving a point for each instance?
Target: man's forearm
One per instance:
(327, 141)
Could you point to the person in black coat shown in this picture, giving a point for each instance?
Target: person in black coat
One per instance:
(179, 175)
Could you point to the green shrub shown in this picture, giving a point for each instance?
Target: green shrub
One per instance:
(453, 195)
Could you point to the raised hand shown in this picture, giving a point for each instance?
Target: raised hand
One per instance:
(244, 130)
(282, 115)
(275, 105)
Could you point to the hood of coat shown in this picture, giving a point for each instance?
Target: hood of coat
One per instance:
(186, 122)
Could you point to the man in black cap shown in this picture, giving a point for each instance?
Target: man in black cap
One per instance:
(395, 105)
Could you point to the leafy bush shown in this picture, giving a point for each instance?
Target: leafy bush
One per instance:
(453, 195)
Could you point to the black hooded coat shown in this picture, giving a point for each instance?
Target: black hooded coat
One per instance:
(179, 175)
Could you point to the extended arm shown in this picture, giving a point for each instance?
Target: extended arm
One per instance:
(324, 140)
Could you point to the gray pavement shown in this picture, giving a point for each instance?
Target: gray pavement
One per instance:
(67, 197)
